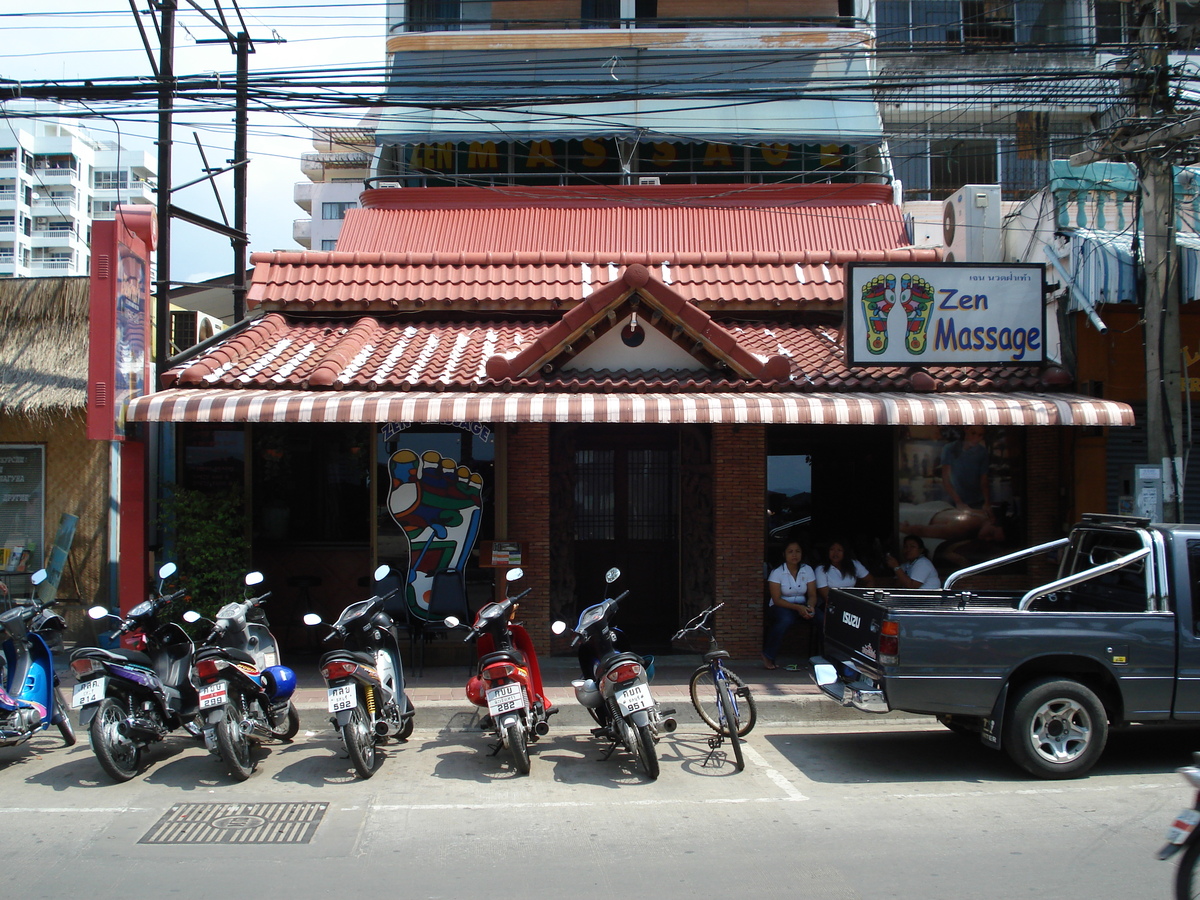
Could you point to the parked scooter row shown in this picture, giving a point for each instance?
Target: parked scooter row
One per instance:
(230, 689)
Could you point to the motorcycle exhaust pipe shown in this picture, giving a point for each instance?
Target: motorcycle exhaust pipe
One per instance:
(137, 730)
(383, 728)
(669, 724)
(541, 729)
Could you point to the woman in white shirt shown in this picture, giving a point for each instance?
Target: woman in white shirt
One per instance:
(841, 570)
(793, 590)
(917, 571)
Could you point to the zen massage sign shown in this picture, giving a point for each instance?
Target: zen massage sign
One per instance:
(945, 314)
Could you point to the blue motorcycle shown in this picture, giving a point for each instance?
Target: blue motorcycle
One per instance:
(30, 701)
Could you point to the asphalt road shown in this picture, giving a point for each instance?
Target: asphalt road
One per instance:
(895, 810)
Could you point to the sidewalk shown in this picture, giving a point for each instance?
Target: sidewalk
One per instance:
(781, 696)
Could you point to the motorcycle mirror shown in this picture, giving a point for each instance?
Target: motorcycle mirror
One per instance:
(191, 616)
(383, 572)
(612, 574)
(451, 621)
(558, 627)
(514, 574)
(97, 612)
(254, 578)
(314, 619)
(38, 577)
(166, 570)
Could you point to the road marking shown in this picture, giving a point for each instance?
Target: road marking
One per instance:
(1025, 792)
(5, 810)
(573, 804)
(793, 792)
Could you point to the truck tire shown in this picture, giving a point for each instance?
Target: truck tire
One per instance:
(1056, 728)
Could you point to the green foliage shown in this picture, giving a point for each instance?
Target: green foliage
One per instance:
(208, 533)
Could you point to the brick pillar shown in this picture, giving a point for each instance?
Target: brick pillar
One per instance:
(739, 465)
(528, 520)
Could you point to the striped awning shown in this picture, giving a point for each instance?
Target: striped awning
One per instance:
(213, 405)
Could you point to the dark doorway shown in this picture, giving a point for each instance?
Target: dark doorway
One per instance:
(626, 514)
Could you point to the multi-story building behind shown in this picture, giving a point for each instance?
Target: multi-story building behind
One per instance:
(55, 180)
(336, 170)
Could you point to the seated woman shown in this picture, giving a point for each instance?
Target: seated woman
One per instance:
(917, 571)
(793, 591)
(841, 570)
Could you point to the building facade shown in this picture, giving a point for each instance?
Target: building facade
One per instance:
(55, 180)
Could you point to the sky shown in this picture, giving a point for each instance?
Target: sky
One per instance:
(99, 38)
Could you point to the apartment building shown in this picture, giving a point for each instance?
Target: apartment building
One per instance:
(341, 161)
(56, 179)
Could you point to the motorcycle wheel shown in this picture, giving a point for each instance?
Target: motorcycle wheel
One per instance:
(235, 746)
(286, 730)
(732, 725)
(406, 728)
(118, 756)
(1187, 885)
(519, 747)
(360, 742)
(62, 718)
(646, 752)
(704, 698)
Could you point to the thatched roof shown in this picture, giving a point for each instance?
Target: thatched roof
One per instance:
(43, 345)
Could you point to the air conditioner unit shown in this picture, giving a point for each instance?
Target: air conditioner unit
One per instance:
(189, 328)
(649, 179)
(971, 225)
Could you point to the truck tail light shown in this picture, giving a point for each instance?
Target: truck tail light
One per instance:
(889, 643)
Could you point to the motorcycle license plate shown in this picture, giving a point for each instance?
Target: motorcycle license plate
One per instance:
(505, 698)
(88, 692)
(342, 696)
(634, 698)
(214, 694)
(1185, 823)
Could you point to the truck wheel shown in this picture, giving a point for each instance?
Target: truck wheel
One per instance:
(1056, 729)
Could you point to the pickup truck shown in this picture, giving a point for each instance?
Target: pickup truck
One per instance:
(1042, 673)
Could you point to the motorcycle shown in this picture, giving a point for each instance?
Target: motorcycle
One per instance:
(509, 680)
(365, 679)
(131, 698)
(615, 688)
(1184, 835)
(30, 699)
(244, 694)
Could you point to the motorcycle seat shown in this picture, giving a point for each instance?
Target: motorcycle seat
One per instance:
(365, 659)
(227, 652)
(613, 659)
(136, 657)
(512, 656)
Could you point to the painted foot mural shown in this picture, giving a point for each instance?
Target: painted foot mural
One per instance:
(878, 298)
(438, 504)
(916, 297)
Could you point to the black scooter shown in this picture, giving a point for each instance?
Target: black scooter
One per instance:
(615, 687)
(245, 696)
(365, 679)
(129, 699)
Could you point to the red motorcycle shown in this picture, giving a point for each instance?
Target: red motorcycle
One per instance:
(509, 682)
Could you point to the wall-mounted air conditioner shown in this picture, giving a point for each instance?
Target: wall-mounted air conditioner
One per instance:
(189, 327)
(971, 225)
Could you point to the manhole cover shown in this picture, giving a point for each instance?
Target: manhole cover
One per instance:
(237, 823)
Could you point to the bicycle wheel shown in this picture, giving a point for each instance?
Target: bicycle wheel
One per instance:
(1187, 885)
(728, 704)
(704, 697)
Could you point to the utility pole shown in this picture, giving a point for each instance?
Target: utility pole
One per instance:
(1153, 152)
(166, 103)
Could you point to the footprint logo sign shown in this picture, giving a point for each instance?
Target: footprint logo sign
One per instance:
(438, 505)
(915, 296)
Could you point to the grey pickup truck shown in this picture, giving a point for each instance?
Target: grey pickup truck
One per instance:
(1042, 673)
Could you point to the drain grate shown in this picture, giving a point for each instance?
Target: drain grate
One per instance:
(237, 823)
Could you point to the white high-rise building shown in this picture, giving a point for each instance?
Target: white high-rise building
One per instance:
(55, 180)
(343, 158)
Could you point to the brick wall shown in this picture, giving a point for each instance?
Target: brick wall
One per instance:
(739, 462)
(529, 521)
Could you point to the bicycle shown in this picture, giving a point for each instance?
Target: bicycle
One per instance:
(721, 698)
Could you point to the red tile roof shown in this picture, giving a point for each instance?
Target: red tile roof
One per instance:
(617, 220)
(371, 353)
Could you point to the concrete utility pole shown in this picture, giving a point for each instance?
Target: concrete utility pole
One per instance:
(1154, 154)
